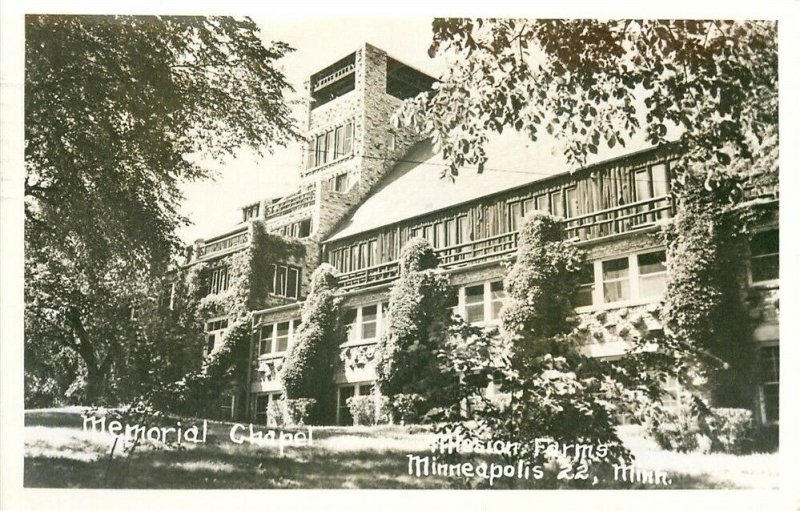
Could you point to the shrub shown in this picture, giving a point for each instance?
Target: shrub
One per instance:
(731, 430)
(276, 413)
(362, 408)
(407, 408)
(674, 431)
(298, 411)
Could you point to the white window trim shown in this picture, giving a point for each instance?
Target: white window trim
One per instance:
(772, 283)
(461, 308)
(598, 300)
(357, 327)
(274, 339)
(289, 268)
(222, 331)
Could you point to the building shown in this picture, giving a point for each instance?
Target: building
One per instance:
(368, 187)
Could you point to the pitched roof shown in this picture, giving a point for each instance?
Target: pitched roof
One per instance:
(415, 186)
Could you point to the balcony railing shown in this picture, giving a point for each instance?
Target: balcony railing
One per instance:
(291, 203)
(231, 241)
(619, 219)
(475, 252)
(599, 224)
(370, 276)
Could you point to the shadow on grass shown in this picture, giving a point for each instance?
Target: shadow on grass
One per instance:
(340, 458)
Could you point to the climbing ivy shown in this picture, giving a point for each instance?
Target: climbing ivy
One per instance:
(308, 368)
(249, 273)
(549, 387)
(705, 314)
(418, 319)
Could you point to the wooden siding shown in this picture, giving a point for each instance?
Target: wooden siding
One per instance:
(592, 197)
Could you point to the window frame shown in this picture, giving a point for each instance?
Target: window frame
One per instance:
(283, 291)
(762, 283)
(331, 144)
(635, 298)
(489, 319)
(272, 340)
(762, 408)
(355, 329)
(220, 331)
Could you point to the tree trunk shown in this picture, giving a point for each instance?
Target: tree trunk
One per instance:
(95, 383)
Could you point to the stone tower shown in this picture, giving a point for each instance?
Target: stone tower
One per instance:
(351, 142)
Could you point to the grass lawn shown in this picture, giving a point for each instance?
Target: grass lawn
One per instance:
(59, 454)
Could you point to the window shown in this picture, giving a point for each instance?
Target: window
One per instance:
(338, 183)
(281, 337)
(227, 406)
(640, 276)
(481, 302)
(331, 145)
(652, 274)
(764, 259)
(497, 293)
(343, 413)
(514, 215)
(556, 206)
(464, 234)
(261, 408)
(473, 304)
(304, 228)
(439, 235)
(583, 296)
(343, 416)
(770, 380)
(616, 285)
(250, 212)
(215, 330)
(540, 203)
(571, 199)
(351, 321)
(674, 394)
(275, 338)
(219, 280)
(285, 281)
(369, 322)
(365, 323)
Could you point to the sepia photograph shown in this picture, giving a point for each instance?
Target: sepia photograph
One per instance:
(440, 253)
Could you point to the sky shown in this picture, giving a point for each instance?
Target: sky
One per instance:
(213, 206)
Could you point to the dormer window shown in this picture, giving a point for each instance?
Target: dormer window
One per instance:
(250, 212)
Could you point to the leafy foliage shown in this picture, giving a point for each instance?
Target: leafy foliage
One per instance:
(362, 409)
(115, 107)
(591, 82)
(705, 315)
(549, 388)
(308, 367)
(406, 361)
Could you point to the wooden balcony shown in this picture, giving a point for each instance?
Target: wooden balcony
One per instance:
(225, 244)
(476, 252)
(291, 203)
(619, 219)
(596, 225)
(371, 276)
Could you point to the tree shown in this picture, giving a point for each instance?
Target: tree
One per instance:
(592, 82)
(117, 111)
